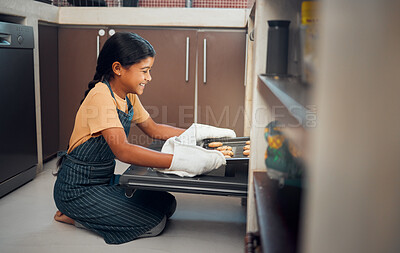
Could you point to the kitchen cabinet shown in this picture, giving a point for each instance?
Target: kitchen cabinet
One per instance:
(177, 94)
(221, 80)
(49, 102)
(77, 54)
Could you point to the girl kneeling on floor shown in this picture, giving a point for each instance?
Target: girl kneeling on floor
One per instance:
(86, 191)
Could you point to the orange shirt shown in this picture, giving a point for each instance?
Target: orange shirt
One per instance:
(98, 112)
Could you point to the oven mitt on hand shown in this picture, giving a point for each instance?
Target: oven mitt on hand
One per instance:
(190, 160)
(197, 132)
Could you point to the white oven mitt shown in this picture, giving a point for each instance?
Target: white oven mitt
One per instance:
(190, 160)
(197, 132)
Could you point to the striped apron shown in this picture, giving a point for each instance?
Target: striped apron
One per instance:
(85, 190)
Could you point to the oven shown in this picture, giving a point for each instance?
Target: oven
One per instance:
(227, 180)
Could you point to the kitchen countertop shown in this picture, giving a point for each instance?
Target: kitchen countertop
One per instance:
(140, 16)
(35, 11)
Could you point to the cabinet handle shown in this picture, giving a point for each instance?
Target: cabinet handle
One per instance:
(205, 61)
(101, 33)
(187, 59)
(245, 60)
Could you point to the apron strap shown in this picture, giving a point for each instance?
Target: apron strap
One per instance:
(64, 155)
(112, 94)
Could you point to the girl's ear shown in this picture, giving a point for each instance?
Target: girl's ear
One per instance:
(117, 67)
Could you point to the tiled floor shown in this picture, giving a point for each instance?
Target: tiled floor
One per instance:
(201, 223)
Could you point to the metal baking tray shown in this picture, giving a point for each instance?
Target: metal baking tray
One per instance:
(237, 145)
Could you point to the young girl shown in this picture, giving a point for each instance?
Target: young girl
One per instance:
(85, 191)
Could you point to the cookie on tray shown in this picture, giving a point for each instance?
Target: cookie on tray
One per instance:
(215, 144)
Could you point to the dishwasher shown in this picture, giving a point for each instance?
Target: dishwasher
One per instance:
(18, 146)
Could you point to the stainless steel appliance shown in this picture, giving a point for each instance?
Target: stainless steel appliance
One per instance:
(18, 150)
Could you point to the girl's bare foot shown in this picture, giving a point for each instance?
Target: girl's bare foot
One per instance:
(59, 216)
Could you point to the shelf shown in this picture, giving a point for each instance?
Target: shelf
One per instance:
(288, 97)
(278, 214)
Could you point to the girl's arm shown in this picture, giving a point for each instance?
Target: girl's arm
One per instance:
(133, 154)
(159, 131)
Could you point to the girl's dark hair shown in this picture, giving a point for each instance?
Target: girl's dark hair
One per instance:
(124, 47)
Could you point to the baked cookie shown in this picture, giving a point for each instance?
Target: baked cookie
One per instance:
(215, 144)
(227, 152)
(224, 148)
(246, 152)
(247, 142)
(247, 147)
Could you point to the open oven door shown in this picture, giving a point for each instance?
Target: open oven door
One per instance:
(227, 180)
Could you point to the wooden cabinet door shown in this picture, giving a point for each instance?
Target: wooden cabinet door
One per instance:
(48, 64)
(169, 98)
(77, 64)
(221, 90)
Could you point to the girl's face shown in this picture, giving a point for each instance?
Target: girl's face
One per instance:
(136, 77)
